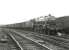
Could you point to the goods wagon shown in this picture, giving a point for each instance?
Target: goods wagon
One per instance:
(28, 25)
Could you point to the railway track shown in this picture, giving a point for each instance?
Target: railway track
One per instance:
(27, 44)
(9, 44)
(61, 42)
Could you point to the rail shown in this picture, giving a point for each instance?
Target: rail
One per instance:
(16, 41)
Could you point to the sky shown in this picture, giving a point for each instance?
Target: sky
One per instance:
(15, 11)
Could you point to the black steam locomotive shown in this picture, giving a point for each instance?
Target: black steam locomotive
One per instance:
(58, 26)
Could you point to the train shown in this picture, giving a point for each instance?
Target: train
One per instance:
(48, 25)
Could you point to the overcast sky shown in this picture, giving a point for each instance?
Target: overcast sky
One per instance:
(15, 11)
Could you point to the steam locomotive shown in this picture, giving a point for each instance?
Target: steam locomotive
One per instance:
(54, 26)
